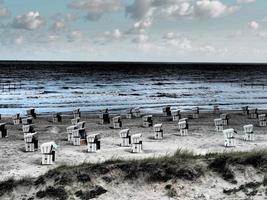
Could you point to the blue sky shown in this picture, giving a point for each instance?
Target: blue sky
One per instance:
(134, 30)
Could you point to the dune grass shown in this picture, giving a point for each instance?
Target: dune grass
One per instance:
(182, 165)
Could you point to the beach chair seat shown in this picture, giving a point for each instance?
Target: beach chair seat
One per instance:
(75, 120)
(3, 130)
(229, 138)
(136, 112)
(253, 113)
(57, 117)
(80, 125)
(124, 133)
(176, 115)
(76, 113)
(216, 109)
(225, 119)
(166, 111)
(218, 124)
(137, 145)
(147, 121)
(31, 113)
(158, 132)
(248, 133)
(48, 150)
(195, 111)
(104, 117)
(126, 137)
(93, 143)
(26, 121)
(245, 110)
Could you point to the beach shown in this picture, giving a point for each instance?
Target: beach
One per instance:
(202, 139)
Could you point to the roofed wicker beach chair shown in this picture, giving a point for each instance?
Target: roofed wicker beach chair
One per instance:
(195, 112)
(218, 124)
(248, 131)
(147, 121)
(262, 120)
(167, 111)
(229, 137)
(93, 142)
(3, 130)
(31, 113)
(48, 150)
(137, 144)
(126, 137)
(117, 123)
(176, 115)
(104, 117)
(158, 131)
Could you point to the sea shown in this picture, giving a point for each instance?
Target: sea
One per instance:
(118, 86)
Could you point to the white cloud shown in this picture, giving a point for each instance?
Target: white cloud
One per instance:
(58, 25)
(140, 9)
(245, 1)
(177, 41)
(262, 33)
(181, 9)
(95, 9)
(19, 40)
(209, 8)
(75, 35)
(114, 34)
(109, 36)
(141, 38)
(30, 21)
(253, 25)
(143, 24)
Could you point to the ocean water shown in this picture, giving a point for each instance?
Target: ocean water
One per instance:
(53, 87)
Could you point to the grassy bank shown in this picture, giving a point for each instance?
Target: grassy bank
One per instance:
(80, 181)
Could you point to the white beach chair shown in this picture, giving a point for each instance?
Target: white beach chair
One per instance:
(176, 115)
(137, 143)
(147, 121)
(249, 134)
(158, 132)
(218, 124)
(93, 143)
(229, 138)
(48, 150)
(195, 111)
(126, 137)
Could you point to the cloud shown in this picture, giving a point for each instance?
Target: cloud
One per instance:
(253, 25)
(245, 1)
(4, 11)
(95, 9)
(140, 9)
(114, 34)
(140, 39)
(29, 21)
(143, 24)
(75, 35)
(175, 40)
(180, 9)
(213, 9)
(109, 36)
(19, 40)
(58, 25)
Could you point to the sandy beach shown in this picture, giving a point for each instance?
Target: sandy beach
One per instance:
(202, 139)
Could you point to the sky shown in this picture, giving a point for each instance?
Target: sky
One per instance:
(134, 30)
